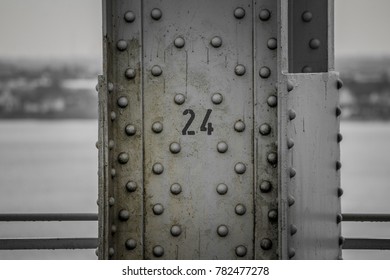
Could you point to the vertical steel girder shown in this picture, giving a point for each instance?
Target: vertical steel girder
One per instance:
(196, 146)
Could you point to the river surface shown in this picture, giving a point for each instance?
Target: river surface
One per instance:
(51, 166)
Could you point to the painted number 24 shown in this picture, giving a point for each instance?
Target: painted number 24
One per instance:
(204, 127)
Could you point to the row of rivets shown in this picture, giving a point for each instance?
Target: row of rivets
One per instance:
(158, 251)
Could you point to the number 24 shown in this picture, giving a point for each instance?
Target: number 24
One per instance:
(203, 127)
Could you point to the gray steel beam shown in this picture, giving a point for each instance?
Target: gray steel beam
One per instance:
(356, 217)
(35, 217)
(48, 243)
(366, 244)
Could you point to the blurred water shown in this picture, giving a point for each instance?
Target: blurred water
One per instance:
(50, 166)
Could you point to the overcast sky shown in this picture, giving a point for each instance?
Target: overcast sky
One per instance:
(72, 28)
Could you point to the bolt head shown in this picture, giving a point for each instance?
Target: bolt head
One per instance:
(340, 192)
(217, 98)
(239, 126)
(272, 43)
(175, 230)
(272, 158)
(293, 229)
(265, 186)
(222, 230)
(273, 215)
(264, 15)
(179, 99)
(240, 70)
(264, 72)
(110, 87)
(113, 116)
(293, 172)
(265, 129)
(240, 168)
(290, 86)
(111, 252)
(130, 73)
(111, 201)
(175, 189)
(158, 251)
(179, 42)
(157, 127)
(216, 42)
(239, 13)
(290, 200)
(158, 209)
(130, 130)
(121, 45)
(111, 144)
(222, 147)
(131, 186)
(130, 244)
(272, 101)
(158, 168)
(291, 252)
(113, 172)
(124, 215)
(123, 158)
(307, 16)
(266, 244)
(122, 102)
(338, 165)
(339, 84)
(240, 209)
(156, 70)
(290, 143)
(174, 148)
(291, 114)
(241, 251)
(129, 16)
(222, 189)
(314, 44)
(339, 218)
(338, 111)
(156, 14)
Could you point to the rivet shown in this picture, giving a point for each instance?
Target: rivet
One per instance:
(131, 186)
(265, 129)
(240, 168)
(291, 252)
(272, 44)
(124, 215)
(264, 14)
(273, 215)
(97, 87)
(97, 202)
(113, 172)
(290, 143)
(111, 144)
(293, 229)
(339, 137)
(339, 218)
(241, 251)
(121, 45)
(217, 98)
(113, 115)
(130, 244)
(239, 126)
(175, 230)
(290, 86)
(307, 69)
(157, 127)
(130, 130)
(158, 209)
(158, 251)
(222, 230)
(222, 189)
(97, 144)
(123, 158)
(338, 111)
(129, 16)
(239, 13)
(272, 101)
(216, 42)
(338, 165)
(179, 99)
(264, 72)
(314, 44)
(240, 209)
(293, 172)
(266, 244)
(222, 147)
(272, 158)
(179, 42)
(307, 16)
(110, 87)
(113, 229)
(97, 251)
(290, 200)
(341, 241)
(340, 192)
(291, 114)
(175, 189)
(111, 251)
(130, 73)
(174, 148)
(339, 83)
(156, 14)
(239, 70)
(158, 168)
(122, 102)
(156, 70)
(265, 186)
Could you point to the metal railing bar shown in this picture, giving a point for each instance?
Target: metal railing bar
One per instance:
(366, 217)
(48, 243)
(366, 244)
(47, 217)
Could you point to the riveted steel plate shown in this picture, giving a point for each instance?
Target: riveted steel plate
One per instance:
(199, 52)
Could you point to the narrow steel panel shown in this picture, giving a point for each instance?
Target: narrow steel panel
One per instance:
(366, 244)
(33, 217)
(310, 165)
(198, 71)
(48, 243)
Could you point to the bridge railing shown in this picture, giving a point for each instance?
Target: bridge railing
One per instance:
(91, 243)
